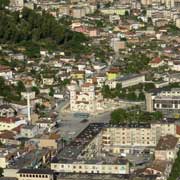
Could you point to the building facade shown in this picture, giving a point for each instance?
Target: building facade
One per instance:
(126, 138)
(165, 101)
(85, 99)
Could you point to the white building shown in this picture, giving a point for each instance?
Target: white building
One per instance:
(96, 168)
(85, 98)
(29, 131)
(5, 72)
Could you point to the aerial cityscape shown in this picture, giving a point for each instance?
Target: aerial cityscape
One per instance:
(89, 89)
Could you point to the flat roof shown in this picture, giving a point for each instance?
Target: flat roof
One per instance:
(35, 171)
(129, 76)
(70, 152)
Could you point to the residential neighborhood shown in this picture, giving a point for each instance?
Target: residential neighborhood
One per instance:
(90, 89)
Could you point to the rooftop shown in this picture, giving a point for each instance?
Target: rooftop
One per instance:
(36, 171)
(167, 142)
(71, 151)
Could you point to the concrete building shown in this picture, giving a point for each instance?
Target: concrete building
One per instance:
(85, 98)
(126, 138)
(95, 167)
(82, 155)
(29, 131)
(165, 101)
(132, 80)
(35, 174)
(78, 12)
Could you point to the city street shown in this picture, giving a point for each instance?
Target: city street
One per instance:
(71, 126)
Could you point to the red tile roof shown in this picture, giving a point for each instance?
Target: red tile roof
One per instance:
(4, 68)
(9, 120)
(156, 60)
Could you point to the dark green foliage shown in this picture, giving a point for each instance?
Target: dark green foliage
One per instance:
(136, 63)
(34, 30)
(3, 4)
(134, 115)
(175, 173)
(11, 92)
(1, 172)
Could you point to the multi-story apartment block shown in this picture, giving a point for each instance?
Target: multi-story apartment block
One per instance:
(130, 137)
(82, 155)
(85, 98)
(165, 101)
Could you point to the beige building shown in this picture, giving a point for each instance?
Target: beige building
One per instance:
(129, 137)
(85, 99)
(35, 174)
(121, 167)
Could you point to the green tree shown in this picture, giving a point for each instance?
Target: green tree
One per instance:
(149, 86)
(118, 116)
(1, 172)
(51, 93)
(35, 89)
(20, 87)
(3, 4)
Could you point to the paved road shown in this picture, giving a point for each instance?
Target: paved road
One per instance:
(71, 126)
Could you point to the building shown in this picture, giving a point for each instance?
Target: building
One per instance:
(156, 62)
(115, 10)
(113, 73)
(29, 131)
(6, 72)
(117, 44)
(166, 149)
(82, 155)
(125, 138)
(10, 123)
(7, 111)
(158, 169)
(85, 98)
(131, 80)
(35, 174)
(93, 167)
(166, 101)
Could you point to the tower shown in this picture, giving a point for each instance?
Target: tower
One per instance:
(28, 107)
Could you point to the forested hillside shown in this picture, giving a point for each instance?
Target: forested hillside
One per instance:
(31, 28)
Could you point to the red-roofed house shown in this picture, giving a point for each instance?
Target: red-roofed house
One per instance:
(8, 137)
(156, 62)
(10, 123)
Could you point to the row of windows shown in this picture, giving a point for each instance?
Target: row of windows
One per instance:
(93, 167)
(34, 175)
